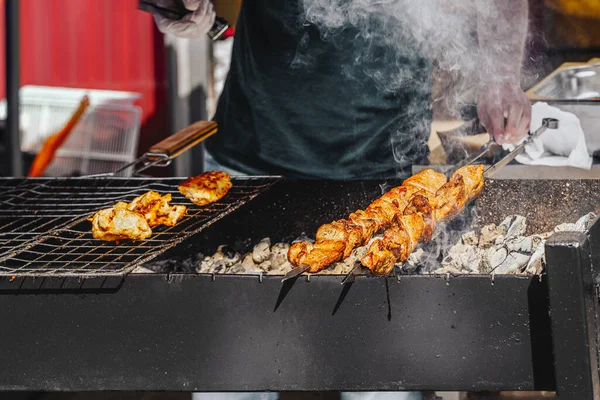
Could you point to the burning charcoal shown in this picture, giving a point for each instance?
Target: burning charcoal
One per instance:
(447, 270)
(205, 266)
(223, 254)
(416, 257)
(281, 269)
(500, 261)
(238, 269)
(490, 233)
(463, 257)
(519, 244)
(262, 251)
(582, 224)
(265, 266)
(587, 221)
(228, 252)
(248, 263)
(494, 257)
(218, 268)
(516, 225)
(536, 263)
(470, 238)
(279, 255)
(413, 264)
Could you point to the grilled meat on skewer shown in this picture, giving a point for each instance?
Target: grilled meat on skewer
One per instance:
(361, 225)
(399, 240)
(323, 254)
(398, 243)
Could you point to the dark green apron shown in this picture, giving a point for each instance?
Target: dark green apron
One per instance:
(300, 106)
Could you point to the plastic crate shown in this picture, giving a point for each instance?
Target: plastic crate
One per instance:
(105, 138)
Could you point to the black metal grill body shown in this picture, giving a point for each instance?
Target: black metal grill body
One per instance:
(187, 332)
(232, 333)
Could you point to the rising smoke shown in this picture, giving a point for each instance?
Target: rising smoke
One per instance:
(398, 43)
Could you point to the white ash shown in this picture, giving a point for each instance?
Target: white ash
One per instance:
(503, 249)
(495, 249)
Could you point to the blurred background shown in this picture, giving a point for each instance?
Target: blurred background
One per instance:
(143, 85)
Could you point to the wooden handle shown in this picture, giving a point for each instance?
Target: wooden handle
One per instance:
(186, 138)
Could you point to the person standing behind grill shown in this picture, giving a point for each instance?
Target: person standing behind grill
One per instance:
(290, 108)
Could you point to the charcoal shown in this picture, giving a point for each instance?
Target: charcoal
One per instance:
(262, 251)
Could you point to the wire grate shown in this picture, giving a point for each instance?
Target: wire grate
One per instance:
(44, 229)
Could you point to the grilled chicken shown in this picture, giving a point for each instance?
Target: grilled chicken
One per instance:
(323, 254)
(427, 181)
(365, 222)
(473, 177)
(424, 211)
(156, 209)
(451, 198)
(114, 224)
(419, 204)
(343, 231)
(397, 244)
(207, 188)
(337, 240)
(298, 252)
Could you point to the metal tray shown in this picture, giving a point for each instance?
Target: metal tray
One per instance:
(577, 82)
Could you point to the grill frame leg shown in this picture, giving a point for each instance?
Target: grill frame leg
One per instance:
(574, 312)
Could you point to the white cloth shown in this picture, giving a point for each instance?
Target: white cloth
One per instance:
(560, 147)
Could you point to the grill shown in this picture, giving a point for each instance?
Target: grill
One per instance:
(44, 229)
(197, 332)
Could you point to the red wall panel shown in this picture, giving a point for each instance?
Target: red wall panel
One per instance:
(97, 44)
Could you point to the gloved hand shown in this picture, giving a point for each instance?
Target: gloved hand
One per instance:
(505, 111)
(193, 25)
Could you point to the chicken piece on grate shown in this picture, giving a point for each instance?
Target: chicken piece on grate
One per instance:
(156, 209)
(207, 188)
(114, 224)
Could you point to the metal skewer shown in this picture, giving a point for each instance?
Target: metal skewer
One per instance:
(547, 123)
(296, 272)
(351, 276)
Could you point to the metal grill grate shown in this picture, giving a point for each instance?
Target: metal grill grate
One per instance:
(44, 229)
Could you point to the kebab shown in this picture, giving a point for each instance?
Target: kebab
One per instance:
(417, 223)
(466, 183)
(336, 241)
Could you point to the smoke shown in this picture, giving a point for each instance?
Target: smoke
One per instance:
(446, 235)
(400, 44)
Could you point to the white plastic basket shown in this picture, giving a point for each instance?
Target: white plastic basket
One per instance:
(105, 138)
